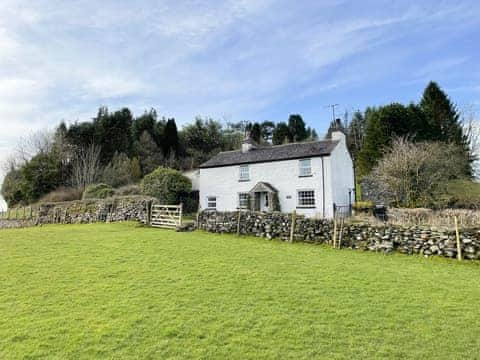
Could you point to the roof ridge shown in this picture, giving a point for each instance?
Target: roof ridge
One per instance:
(263, 147)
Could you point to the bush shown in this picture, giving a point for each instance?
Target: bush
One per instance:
(121, 171)
(460, 194)
(128, 190)
(167, 185)
(62, 194)
(98, 191)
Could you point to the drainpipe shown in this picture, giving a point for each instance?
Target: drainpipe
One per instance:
(323, 186)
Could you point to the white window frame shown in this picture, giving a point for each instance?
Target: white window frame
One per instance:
(304, 167)
(211, 199)
(244, 173)
(246, 206)
(308, 202)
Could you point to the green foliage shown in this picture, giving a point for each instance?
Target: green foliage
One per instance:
(167, 185)
(170, 142)
(278, 301)
(460, 193)
(281, 134)
(296, 129)
(12, 187)
(40, 176)
(98, 191)
(120, 171)
(113, 132)
(150, 156)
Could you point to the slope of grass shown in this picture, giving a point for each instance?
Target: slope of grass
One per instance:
(123, 291)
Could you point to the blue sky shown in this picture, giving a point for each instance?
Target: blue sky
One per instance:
(231, 60)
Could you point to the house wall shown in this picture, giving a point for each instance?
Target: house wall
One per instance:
(342, 173)
(223, 182)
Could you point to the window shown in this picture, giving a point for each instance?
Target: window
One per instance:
(244, 173)
(306, 198)
(305, 167)
(243, 200)
(211, 202)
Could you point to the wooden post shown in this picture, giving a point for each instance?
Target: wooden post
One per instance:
(238, 222)
(149, 213)
(341, 233)
(459, 246)
(334, 242)
(292, 228)
(181, 213)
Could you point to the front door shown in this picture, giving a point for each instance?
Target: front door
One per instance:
(264, 205)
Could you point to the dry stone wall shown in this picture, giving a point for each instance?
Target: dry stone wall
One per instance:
(388, 238)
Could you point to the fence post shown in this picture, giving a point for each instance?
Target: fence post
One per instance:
(238, 222)
(181, 213)
(292, 228)
(149, 212)
(459, 246)
(334, 231)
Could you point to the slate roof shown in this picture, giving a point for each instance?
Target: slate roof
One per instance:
(272, 153)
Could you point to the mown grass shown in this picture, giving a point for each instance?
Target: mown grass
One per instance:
(123, 291)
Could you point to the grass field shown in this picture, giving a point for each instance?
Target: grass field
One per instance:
(123, 291)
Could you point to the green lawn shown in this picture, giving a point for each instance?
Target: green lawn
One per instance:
(123, 291)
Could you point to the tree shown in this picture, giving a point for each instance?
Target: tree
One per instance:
(119, 171)
(40, 176)
(382, 125)
(356, 134)
(203, 139)
(170, 139)
(255, 132)
(414, 174)
(149, 154)
(167, 185)
(12, 187)
(113, 132)
(281, 134)
(86, 167)
(443, 120)
(147, 122)
(296, 127)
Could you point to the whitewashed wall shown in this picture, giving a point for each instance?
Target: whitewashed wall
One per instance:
(223, 183)
(342, 171)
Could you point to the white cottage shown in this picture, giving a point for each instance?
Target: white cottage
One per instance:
(311, 178)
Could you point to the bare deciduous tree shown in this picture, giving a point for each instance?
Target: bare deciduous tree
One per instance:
(86, 167)
(414, 174)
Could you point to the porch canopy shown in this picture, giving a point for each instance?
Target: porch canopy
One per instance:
(259, 189)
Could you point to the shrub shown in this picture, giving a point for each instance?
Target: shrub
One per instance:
(463, 194)
(62, 194)
(128, 190)
(98, 191)
(118, 172)
(167, 185)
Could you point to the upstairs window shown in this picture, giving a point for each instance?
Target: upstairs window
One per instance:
(306, 198)
(244, 173)
(211, 202)
(305, 166)
(243, 200)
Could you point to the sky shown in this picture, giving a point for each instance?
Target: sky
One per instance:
(231, 60)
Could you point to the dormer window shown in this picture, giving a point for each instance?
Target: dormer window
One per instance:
(305, 167)
(244, 173)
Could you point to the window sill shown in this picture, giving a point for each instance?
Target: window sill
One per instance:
(307, 207)
(244, 180)
(302, 176)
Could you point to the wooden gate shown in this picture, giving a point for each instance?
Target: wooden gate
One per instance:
(166, 216)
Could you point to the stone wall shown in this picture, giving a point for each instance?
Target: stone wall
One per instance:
(120, 208)
(387, 238)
